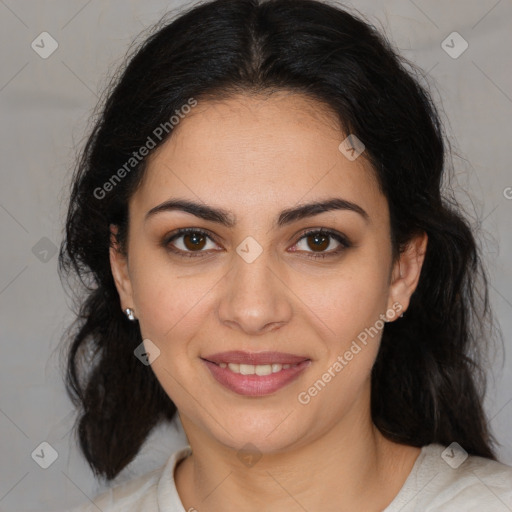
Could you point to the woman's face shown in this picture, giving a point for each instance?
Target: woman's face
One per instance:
(254, 282)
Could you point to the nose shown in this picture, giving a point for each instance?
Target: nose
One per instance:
(254, 299)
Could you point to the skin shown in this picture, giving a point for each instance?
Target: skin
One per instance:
(254, 157)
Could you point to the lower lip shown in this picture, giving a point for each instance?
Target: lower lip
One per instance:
(255, 385)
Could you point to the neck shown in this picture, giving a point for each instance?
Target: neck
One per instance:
(351, 467)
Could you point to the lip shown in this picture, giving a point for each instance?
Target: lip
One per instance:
(255, 385)
(255, 358)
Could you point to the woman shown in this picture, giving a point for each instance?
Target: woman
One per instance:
(267, 252)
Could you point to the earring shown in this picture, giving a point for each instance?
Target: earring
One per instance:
(129, 313)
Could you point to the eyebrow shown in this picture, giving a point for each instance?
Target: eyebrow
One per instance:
(285, 217)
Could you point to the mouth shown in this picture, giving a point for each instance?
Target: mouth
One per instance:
(255, 374)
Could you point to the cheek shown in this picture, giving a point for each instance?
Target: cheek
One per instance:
(167, 302)
(346, 302)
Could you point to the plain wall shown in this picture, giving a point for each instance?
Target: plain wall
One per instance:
(45, 106)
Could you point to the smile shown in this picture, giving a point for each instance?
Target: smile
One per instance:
(255, 380)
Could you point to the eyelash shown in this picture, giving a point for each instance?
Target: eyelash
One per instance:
(345, 244)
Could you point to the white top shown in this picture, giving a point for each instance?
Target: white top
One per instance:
(433, 485)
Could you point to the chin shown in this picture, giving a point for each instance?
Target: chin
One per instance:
(266, 433)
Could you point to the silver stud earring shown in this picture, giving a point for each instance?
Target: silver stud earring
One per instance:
(129, 313)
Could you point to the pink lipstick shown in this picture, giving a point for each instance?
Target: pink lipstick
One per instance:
(255, 373)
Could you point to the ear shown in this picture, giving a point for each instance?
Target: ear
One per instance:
(406, 273)
(119, 267)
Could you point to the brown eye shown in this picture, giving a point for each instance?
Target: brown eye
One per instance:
(315, 244)
(189, 242)
(193, 241)
(318, 241)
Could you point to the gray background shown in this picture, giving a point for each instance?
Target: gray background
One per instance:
(45, 107)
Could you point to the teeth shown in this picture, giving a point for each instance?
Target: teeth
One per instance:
(259, 369)
(263, 369)
(247, 369)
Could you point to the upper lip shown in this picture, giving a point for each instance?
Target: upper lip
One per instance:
(254, 358)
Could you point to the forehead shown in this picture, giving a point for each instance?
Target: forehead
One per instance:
(257, 154)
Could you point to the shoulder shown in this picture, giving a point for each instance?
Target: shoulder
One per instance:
(139, 494)
(459, 471)
(448, 479)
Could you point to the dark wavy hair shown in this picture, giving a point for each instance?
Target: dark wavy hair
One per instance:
(428, 381)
